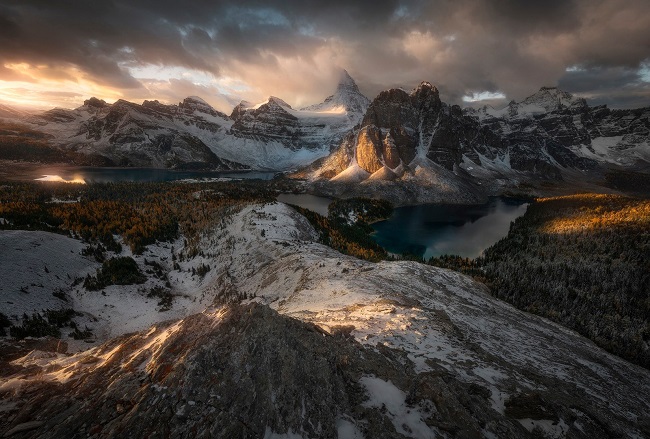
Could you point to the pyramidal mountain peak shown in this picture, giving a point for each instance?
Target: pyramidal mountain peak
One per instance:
(276, 100)
(346, 83)
(347, 96)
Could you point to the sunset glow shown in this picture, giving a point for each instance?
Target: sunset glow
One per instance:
(227, 52)
(59, 179)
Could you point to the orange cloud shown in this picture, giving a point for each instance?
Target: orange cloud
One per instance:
(44, 87)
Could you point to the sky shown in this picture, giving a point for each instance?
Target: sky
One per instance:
(59, 53)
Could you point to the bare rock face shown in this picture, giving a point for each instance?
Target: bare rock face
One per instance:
(94, 102)
(399, 119)
(369, 150)
(390, 152)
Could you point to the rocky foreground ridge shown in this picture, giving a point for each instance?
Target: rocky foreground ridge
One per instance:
(349, 348)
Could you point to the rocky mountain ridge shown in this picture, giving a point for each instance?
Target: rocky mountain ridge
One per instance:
(193, 135)
(415, 147)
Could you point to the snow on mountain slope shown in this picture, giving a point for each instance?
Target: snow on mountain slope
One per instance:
(306, 134)
(545, 100)
(406, 146)
(526, 368)
(240, 371)
(34, 265)
(551, 136)
(270, 135)
(572, 128)
(438, 316)
(147, 135)
(347, 98)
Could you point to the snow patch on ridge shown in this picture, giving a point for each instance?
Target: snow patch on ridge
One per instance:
(406, 420)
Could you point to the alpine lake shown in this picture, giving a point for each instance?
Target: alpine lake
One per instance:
(428, 230)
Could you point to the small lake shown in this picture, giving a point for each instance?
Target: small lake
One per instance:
(111, 175)
(433, 229)
(307, 201)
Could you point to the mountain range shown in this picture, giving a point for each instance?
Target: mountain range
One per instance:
(407, 145)
(270, 135)
(412, 146)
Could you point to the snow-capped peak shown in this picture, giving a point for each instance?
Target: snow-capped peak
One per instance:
(347, 96)
(550, 99)
(245, 104)
(347, 84)
(196, 99)
(197, 104)
(278, 101)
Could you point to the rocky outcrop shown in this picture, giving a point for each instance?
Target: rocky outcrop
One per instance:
(369, 355)
(246, 371)
(272, 120)
(96, 103)
(393, 124)
(369, 149)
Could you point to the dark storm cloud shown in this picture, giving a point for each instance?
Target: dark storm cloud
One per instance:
(511, 46)
(524, 17)
(599, 79)
(618, 87)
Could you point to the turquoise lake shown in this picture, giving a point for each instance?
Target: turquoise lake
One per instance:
(436, 229)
